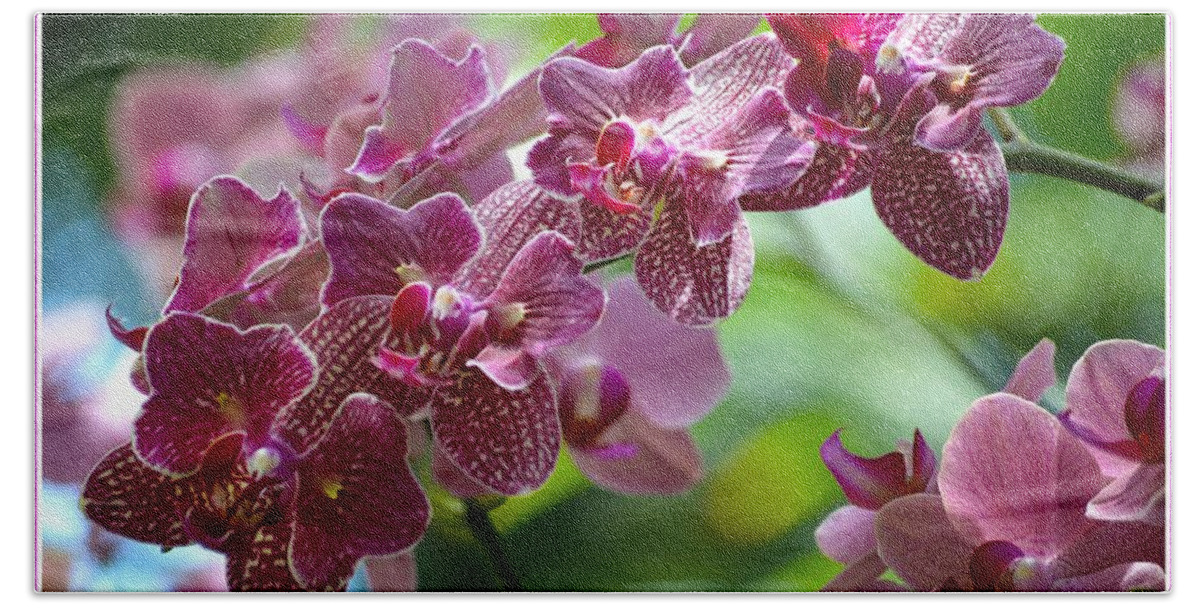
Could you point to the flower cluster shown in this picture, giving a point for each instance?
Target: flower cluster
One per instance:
(1024, 500)
(375, 285)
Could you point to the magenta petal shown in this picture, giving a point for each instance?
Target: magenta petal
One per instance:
(662, 461)
(512, 369)
(626, 35)
(1136, 576)
(127, 497)
(393, 573)
(375, 248)
(693, 284)
(231, 232)
(869, 483)
(861, 576)
(511, 216)
(1098, 387)
(356, 495)
(711, 33)
(946, 129)
(847, 535)
(918, 542)
(950, 208)
(1112, 543)
(209, 379)
(1034, 373)
(588, 96)
(1012, 59)
(260, 562)
(133, 338)
(345, 340)
(548, 300)
(834, 172)
(1139, 495)
(453, 479)
(1011, 472)
(506, 440)
(676, 377)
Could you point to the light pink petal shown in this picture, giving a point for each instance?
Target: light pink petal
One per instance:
(231, 232)
(1034, 373)
(677, 376)
(1136, 496)
(1011, 472)
(949, 208)
(918, 542)
(511, 368)
(505, 440)
(663, 461)
(847, 535)
(392, 573)
(693, 284)
(1098, 387)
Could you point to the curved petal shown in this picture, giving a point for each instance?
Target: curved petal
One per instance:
(507, 441)
(1136, 496)
(948, 208)
(834, 172)
(125, 496)
(453, 479)
(919, 543)
(1012, 59)
(1098, 387)
(1011, 472)
(711, 33)
(869, 483)
(231, 232)
(694, 284)
(259, 561)
(356, 495)
(208, 379)
(663, 461)
(1034, 373)
(1136, 576)
(946, 129)
(847, 535)
(1112, 543)
(375, 249)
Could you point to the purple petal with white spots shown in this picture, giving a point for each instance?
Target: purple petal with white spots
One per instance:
(453, 479)
(127, 497)
(356, 496)
(376, 249)
(834, 172)
(510, 217)
(1034, 373)
(550, 302)
(231, 232)
(847, 535)
(693, 284)
(657, 461)
(209, 379)
(506, 441)
(948, 208)
(1011, 472)
(345, 340)
(259, 562)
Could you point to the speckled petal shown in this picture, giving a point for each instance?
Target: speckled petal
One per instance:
(127, 497)
(834, 172)
(231, 232)
(1034, 373)
(209, 379)
(507, 441)
(356, 495)
(948, 208)
(511, 216)
(1011, 472)
(694, 285)
(259, 561)
(345, 340)
(375, 248)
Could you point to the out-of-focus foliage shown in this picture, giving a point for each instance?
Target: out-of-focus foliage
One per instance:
(842, 327)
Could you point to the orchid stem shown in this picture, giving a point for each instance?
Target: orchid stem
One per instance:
(480, 522)
(594, 266)
(1027, 156)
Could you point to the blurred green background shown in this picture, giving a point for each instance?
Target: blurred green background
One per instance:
(842, 327)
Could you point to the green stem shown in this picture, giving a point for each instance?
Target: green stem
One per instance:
(594, 266)
(1027, 156)
(485, 532)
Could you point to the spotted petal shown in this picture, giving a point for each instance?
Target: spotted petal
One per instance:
(694, 284)
(507, 441)
(125, 496)
(834, 172)
(375, 248)
(209, 379)
(258, 560)
(356, 496)
(948, 208)
(231, 232)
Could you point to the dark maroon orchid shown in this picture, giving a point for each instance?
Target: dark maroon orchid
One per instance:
(471, 356)
(659, 154)
(286, 522)
(895, 102)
